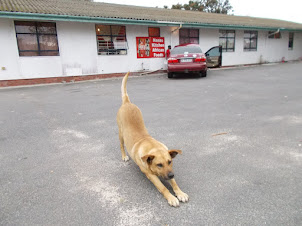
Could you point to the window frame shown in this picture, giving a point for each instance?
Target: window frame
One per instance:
(250, 38)
(111, 51)
(291, 40)
(227, 38)
(37, 34)
(189, 37)
(153, 28)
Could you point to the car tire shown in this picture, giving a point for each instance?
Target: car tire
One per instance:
(170, 75)
(203, 74)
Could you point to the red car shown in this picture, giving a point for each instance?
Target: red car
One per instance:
(187, 58)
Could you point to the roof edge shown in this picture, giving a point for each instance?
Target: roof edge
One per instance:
(56, 17)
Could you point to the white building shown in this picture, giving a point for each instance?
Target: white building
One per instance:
(61, 38)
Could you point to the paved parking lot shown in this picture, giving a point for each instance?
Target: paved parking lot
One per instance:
(60, 162)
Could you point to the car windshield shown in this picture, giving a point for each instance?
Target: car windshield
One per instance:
(188, 49)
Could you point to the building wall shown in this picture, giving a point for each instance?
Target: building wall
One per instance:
(77, 44)
(9, 56)
(78, 51)
(268, 50)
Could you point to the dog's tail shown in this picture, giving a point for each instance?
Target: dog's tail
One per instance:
(125, 96)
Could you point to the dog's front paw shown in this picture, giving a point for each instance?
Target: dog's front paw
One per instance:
(173, 201)
(125, 159)
(183, 197)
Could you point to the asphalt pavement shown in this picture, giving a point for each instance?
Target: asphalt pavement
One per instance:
(240, 131)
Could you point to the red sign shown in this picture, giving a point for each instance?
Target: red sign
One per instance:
(150, 47)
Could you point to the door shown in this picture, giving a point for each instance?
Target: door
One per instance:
(214, 56)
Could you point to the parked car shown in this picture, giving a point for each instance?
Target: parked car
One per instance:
(189, 58)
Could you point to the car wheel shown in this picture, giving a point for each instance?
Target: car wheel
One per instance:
(170, 75)
(203, 74)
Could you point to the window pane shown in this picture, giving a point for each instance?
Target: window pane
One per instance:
(231, 34)
(27, 42)
(246, 44)
(214, 52)
(104, 42)
(230, 44)
(222, 33)
(194, 33)
(254, 34)
(184, 40)
(49, 53)
(25, 27)
(183, 49)
(48, 42)
(253, 44)
(118, 30)
(184, 32)
(154, 32)
(194, 40)
(103, 29)
(48, 28)
(114, 40)
(119, 43)
(29, 53)
(222, 42)
(247, 34)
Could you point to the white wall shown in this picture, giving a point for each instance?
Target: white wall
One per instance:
(77, 43)
(296, 53)
(8, 51)
(78, 51)
(268, 50)
(208, 38)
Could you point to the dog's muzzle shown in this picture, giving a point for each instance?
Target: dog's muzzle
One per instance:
(170, 175)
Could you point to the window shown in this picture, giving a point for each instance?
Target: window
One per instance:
(227, 40)
(188, 36)
(154, 32)
(291, 41)
(37, 38)
(250, 40)
(274, 34)
(111, 39)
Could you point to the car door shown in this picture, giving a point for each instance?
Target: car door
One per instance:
(214, 56)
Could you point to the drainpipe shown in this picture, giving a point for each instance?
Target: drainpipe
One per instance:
(180, 26)
(274, 32)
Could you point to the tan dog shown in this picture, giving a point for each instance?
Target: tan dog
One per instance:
(153, 158)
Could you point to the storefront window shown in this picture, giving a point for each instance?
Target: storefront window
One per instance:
(111, 39)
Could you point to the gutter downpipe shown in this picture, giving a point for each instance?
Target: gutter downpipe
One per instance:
(180, 26)
(274, 32)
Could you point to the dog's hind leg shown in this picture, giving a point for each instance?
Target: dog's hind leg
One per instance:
(124, 156)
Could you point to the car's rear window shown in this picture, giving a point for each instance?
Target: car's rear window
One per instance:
(188, 49)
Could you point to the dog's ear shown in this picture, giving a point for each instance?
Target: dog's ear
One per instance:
(173, 153)
(148, 158)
